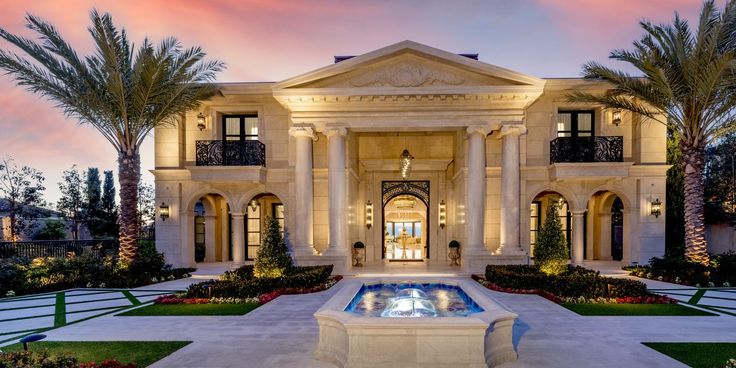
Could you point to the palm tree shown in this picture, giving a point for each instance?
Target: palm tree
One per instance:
(121, 91)
(688, 83)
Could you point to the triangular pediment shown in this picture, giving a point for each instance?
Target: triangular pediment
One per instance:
(408, 65)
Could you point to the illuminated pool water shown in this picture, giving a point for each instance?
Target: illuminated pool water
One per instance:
(412, 300)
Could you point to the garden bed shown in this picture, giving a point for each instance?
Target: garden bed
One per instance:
(19, 276)
(200, 309)
(92, 354)
(697, 354)
(577, 285)
(721, 272)
(628, 309)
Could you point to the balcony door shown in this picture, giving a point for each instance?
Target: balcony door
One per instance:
(575, 124)
(240, 127)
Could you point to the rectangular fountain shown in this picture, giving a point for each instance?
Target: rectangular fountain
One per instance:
(417, 323)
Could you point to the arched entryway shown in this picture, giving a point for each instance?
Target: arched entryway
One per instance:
(538, 214)
(405, 214)
(208, 218)
(606, 238)
(257, 210)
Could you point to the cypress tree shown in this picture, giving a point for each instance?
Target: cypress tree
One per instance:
(109, 209)
(93, 202)
(551, 253)
(272, 259)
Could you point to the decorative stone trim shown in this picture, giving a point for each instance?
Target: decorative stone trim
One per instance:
(302, 131)
(516, 130)
(334, 131)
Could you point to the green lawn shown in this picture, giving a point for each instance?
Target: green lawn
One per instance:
(697, 354)
(585, 309)
(140, 353)
(192, 310)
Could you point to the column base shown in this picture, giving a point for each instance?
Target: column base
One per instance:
(475, 261)
(341, 263)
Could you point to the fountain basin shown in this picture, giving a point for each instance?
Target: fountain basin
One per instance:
(422, 329)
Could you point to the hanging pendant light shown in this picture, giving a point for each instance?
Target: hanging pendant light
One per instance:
(405, 163)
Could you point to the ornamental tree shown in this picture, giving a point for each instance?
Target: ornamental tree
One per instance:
(272, 259)
(551, 253)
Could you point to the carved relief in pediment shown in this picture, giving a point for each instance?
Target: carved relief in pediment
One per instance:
(407, 74)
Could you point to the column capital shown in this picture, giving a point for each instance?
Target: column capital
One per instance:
(331, 131)
(482, 129)
(302, 131)
(578, 212)
(512, 129)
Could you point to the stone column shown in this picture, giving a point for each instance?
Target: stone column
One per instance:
(510, 189)
(238, 228)
(476, 187)
(578, 234)
(303, 193)
(337, 193)
(209, 238)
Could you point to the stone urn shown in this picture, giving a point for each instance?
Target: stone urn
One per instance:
(454, 254)
(358, 254)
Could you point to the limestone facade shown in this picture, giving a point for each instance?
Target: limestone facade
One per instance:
(481, 136)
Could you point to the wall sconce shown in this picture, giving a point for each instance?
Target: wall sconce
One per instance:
(369, 214)
(253, 205)
(656, 208)
(163, 211)
(201, 120)
(443, 214)
(616, 117)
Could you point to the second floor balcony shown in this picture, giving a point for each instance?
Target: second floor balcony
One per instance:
(231, 153)
(586, 149)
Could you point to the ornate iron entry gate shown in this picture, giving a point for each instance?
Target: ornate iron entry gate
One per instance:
(392, 189)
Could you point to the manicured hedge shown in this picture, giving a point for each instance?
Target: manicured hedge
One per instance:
(720, 272)
(574, 282)
(241, 283)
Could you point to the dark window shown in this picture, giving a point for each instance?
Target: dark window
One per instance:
(575, 124)
(277, 209)
(240, 127)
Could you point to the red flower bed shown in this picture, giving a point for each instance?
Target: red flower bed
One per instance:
(172, 299)
(265, 298)
(107, 363)
(654, 299)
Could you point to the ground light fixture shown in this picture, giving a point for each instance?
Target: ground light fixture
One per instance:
(163, 211)
(443, 214)
(368, 214)
(201, 121)
(656, 207)
(405, 163)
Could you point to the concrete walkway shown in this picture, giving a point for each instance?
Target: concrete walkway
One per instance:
(283, 333)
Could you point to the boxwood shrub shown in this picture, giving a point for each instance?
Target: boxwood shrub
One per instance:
(240, 283)
(574, 282)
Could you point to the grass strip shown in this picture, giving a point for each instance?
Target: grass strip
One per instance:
(60, 312)
(140, 353)
(131, 297)
(625, 309)
(696, 354)
(696, 297)
(192, 310)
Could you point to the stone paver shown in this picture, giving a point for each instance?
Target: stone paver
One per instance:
(283, 333)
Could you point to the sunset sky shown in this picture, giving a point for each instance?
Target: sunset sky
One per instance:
(270, 40)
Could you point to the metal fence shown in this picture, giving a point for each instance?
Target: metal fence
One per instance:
(59, 248)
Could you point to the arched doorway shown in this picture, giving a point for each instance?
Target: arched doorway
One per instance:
(606, 238)
(208, 225)
(405, 214)
(257, 210)
(538, 214)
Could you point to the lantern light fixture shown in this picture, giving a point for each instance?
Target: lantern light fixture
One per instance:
(368, 214)
(443, 214)
(253, 205)
(616, 117)
(201, 121)
(163, 211)
(405, 163)
(656, 207)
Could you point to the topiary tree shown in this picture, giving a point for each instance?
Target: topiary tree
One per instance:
(272, 259)
(551, 253)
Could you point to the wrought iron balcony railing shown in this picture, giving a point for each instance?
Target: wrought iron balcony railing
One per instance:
(231, 153)
(586, 149)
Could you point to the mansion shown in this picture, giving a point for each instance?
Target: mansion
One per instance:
(405, 149)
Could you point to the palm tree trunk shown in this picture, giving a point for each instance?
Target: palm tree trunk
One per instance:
(696, 249)
(129, 173)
